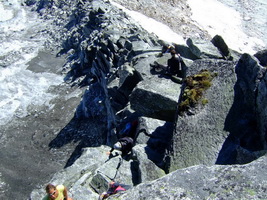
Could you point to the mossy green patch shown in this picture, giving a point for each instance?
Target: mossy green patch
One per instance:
(193, 92)
(251, 192)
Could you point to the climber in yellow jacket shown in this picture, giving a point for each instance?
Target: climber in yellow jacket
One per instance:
(58, 192)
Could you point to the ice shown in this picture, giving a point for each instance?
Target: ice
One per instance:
(20, 87)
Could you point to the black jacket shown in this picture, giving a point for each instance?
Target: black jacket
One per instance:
(174, 64)
(127, 144)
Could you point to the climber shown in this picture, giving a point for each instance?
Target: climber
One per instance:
(56, 192)
(174, 64)
(114, 188)
(124, 145)
(127, 138)
(173, 67)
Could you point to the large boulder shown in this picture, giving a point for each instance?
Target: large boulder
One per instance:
(199, 135)
(90, 174)
(160, 92)
(203, 49)
(159, 102)
(230, 128)
(206, 182)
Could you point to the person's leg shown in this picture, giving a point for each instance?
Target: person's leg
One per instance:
(180, 74)
(163, 68)
(158, 67)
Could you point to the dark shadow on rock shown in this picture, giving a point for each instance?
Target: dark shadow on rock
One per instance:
(158, 145)
(120, 96)
(136, 172)
(242, 125)
(85, 132)
(163, 74)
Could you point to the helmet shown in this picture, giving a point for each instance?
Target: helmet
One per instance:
(117, 146)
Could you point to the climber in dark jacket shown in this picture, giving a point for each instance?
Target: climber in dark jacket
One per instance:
(124, 145)
(174, 65)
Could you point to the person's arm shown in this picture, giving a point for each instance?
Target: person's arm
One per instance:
(109, 152)
(65, 193)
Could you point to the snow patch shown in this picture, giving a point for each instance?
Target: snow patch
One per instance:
(152, 26)
(5, 14)
(219, 19)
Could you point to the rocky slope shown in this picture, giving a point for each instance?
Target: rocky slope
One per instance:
(110, 56)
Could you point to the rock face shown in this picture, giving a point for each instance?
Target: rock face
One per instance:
(111, 56)
(199, 136)
(203, 182)
(90, 174)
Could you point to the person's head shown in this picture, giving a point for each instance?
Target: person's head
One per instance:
(173, 52)
(167, 48)
(51, 190)
(111, 183)
(117, 146)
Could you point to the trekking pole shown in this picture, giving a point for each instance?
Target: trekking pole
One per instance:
(117, 168)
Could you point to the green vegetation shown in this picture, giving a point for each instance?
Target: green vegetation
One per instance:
(193, 92)
(251, 192)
